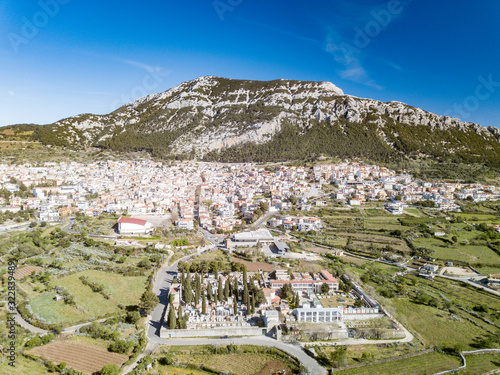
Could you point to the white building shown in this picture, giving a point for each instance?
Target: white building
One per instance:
(318, 314)
(128, 225)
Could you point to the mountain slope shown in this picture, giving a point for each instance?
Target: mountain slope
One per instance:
(240, 120)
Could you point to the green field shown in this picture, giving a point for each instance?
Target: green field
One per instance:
(23, 366)
(54, 312)
(463, 253)
(432, 329)
(237, 360)
(124, 290)
(481, 363)
(422, 364)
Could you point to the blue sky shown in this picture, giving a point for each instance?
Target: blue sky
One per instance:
(59, 58)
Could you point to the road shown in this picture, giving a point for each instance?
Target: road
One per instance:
(261, 220)
(161, 287)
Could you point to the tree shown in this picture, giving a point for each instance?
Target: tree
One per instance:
(235, 307)
(264, 206)
(220, 292)
(252, 306)
(296, 300)
(132, 317)
(149, 300)
(236, 290)
(227, 289)
(180, 317)
(246, 297)
(197, 289)
(187, 291)
(324, 288)
(339, 356)
(111, 369)
(260, 297)
(203, 304)
(210, 295)
(172, 319)
(286, 291)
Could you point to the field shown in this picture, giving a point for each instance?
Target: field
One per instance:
(56, 312)
(124, 290)
(26, 271)
(24, 366)
(467, 253)
(173, 370)
(244, 360)
(432, 329)
(422, 364)
(80, 357)
(481, 363)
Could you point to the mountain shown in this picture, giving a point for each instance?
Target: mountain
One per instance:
(240, 120)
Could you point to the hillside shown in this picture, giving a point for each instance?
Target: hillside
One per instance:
(239, 120)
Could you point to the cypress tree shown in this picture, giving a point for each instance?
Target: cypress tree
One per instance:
(197, 289)
(253, 304)
(220, 293)
(227, 289)
(235, 306)
(216, 298)
(235, 289)
(179, 314)
(209, 293)
(203, 304)
(246, 297)
(172, 320)
(188, 290)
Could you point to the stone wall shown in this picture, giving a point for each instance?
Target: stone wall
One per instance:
(212, 332)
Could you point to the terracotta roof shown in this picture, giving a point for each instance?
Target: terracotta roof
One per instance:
(129, 220)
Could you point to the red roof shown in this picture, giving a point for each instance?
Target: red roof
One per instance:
(327, 275)
(129, 220)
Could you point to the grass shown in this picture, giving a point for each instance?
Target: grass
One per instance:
(432, 329)
(23, 366)
(247, 360)
(56, 312)
(175, 370)
(429, 363)
(374, 352)
(481, 363)
(124, 290)
(466, 253)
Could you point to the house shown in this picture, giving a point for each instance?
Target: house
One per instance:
(494, 279)
(304, 282)
(128, 225)
(185, 224)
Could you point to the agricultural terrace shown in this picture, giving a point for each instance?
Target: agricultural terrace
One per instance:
(235, 359)
(80, 357)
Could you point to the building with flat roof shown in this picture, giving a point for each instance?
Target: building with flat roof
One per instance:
(318, 314)
(307, 283)
(251, 238)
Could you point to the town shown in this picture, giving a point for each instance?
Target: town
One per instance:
(220, 197)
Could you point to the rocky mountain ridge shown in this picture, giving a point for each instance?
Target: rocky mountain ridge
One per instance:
(212, 114)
